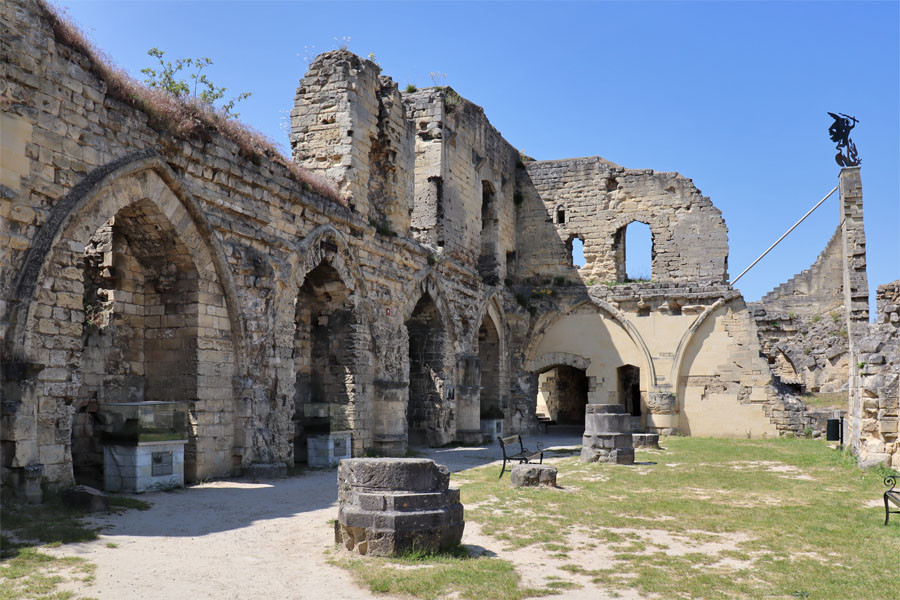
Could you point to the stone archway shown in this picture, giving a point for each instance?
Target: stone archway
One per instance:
(170, 284)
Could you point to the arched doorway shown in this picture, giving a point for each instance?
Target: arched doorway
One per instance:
(326, 355)
(426, 419)
(628, 388)
(562, 395)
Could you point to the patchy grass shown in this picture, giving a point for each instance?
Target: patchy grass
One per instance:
(705, 518)
(710, 519)
(122, 503)
(26, 571)
(32, 574)
(455, 573)
(836, 400)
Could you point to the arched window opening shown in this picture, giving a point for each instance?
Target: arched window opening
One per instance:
(576, 252)
(561, 214)
(634, 253)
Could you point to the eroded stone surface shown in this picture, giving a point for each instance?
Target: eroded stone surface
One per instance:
(392, 505)
(527, 475)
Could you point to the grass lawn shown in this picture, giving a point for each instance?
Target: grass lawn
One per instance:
(704, 518)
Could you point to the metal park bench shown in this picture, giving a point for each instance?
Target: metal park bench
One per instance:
(524, 455)
(891, 496)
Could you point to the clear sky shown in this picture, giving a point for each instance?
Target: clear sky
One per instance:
(733, 95)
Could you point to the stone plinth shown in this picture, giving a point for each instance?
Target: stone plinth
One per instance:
(392, 505)
(328, 450)
(145, 466)
(607, 435)
(645, 440)
(525, 475)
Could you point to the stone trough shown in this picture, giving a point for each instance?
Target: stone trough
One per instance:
(392, 505)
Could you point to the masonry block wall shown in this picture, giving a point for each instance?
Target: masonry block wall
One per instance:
(599, 199)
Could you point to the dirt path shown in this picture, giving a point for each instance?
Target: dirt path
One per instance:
(238, 539)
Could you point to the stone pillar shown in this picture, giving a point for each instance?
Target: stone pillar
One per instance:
(392, 505)
(856, 286)
(607, 435)
(662, 416)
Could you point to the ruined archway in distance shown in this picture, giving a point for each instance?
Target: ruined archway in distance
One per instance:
(427, 417)
(326, 357)
(490, 406)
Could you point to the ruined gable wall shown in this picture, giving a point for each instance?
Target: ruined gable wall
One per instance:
(690, 241)
(457, 153)
(251, 214)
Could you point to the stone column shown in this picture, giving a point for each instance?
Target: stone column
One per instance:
(607, 435)
(662, 417)
(856, 287)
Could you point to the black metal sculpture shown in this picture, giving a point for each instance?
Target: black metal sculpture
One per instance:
(840, 133)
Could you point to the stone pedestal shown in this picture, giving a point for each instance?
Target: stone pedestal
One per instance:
(525, 475)
(328, 450)
(392, 505)
(145, 466)
(607, 435)
(491, 429)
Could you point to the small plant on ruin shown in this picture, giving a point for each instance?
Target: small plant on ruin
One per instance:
(817, 318)
(165, 77)
(792, 315)
(94, 316)
(437, 78)
(343, 43)
(835, 316)
(522, 300)
(383, 228)
(451, 99)
(559, 281)
(843, 333)
(432, 259)
(861, 365)
(411, 89)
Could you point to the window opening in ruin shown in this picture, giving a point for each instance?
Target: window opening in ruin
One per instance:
(634, 252)
(488, 260)
(139, 337)
(424, 411)
(563, 395)
(561, 214)
(323, 356)
(489, 355)
(629, 388)
(576, 252)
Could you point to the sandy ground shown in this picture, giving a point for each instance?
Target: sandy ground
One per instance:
(242, 539)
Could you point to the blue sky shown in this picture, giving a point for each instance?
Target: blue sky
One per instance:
(733, 95)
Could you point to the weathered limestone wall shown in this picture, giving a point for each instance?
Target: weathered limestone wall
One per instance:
(464, 182)
(243, 236)
(599, 199)
(348, 124)
(875, 415)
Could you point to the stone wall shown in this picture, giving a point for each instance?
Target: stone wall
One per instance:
(594, 200)
(875, 409)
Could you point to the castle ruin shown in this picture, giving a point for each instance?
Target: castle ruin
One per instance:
(434, 291)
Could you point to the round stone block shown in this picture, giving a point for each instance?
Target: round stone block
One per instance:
(525, 474)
